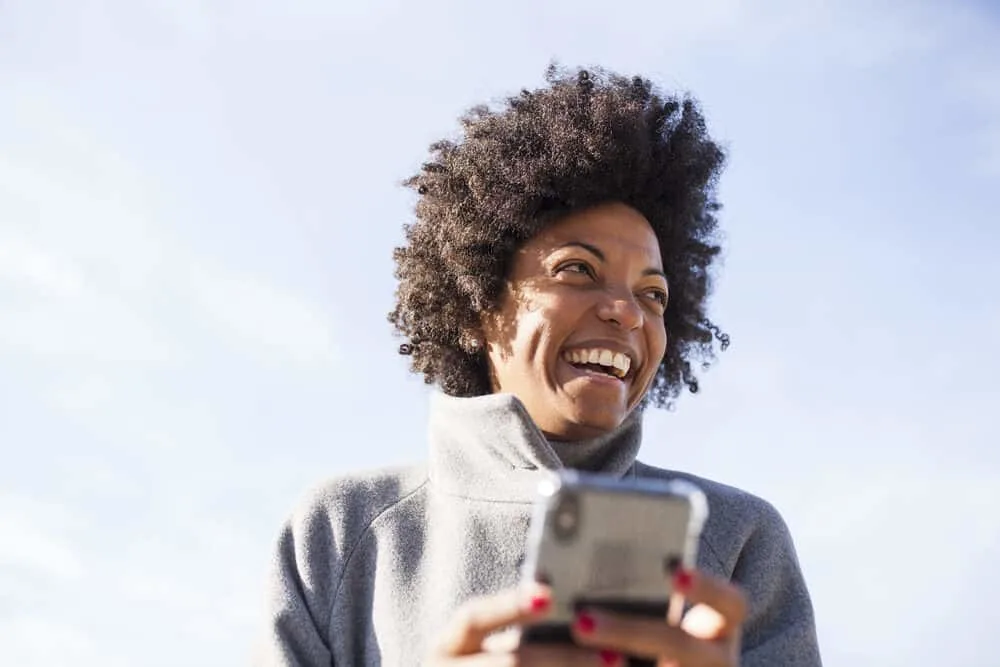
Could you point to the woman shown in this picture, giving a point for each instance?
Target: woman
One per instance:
(553, 286)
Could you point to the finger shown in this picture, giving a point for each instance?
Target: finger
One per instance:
(507, 642)
(481, 616)
(721, 595)
(560, 655)
(647, 638)
(541, 656)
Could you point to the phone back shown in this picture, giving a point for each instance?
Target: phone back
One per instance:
(605, 542)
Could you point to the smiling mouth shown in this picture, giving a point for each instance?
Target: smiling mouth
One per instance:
(602, 361)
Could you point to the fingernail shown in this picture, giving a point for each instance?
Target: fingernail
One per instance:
(683, 580)
(539, 603)
(585, 623)
(611, 658)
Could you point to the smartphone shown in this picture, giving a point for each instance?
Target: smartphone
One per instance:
(603, 542)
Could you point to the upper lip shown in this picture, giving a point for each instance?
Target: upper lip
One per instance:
(614, 346)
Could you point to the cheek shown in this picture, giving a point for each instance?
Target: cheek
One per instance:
(533, 333)
(542, 328)
(520, 331)
(536, 322)
(657, 345)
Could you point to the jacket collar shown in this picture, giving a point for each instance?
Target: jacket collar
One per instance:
(488, 448)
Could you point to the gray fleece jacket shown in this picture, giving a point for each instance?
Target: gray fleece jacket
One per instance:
(370, 567)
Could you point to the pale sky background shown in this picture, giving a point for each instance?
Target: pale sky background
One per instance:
(198, 204)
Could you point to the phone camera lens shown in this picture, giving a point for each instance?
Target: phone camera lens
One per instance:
(566, 518)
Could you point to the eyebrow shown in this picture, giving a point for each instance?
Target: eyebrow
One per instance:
(594, 250)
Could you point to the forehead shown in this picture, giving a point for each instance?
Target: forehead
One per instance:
(619, 231)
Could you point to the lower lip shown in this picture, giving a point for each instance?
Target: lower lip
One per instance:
(595, 376)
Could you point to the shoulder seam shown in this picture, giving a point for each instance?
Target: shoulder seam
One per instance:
(357, 543)
(715, 553)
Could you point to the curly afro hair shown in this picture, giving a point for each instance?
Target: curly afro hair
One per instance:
(588, 137)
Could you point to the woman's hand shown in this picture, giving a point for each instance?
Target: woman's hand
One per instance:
(467, 640)
(709, 635)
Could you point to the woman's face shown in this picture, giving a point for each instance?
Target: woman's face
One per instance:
(579, 334)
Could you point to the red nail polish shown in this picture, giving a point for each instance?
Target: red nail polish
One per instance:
(611, 658)
(683, 580)
(539, 603)
(585, 623)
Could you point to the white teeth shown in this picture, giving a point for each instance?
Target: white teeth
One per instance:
(620, 363)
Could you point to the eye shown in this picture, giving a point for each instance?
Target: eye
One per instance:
(659, 296)
(575, 266)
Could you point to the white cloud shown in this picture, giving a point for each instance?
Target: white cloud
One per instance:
(194, 19)
(89, 474)
(918, 496)
(83, 394)
(34, 641)
(168, 575)
(33, 269)
(33, 539)
(94, 328)
(152, 586)
(26, 547)
(883, 543)
(89, 270)
(251, 311)
(201, 610)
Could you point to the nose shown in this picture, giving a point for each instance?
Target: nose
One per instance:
(622, 310)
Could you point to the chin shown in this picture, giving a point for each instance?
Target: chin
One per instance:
(594, 423)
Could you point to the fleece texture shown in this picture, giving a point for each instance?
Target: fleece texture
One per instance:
(370, 567)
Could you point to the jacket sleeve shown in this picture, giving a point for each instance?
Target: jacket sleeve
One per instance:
(299, 594)
(780, 628)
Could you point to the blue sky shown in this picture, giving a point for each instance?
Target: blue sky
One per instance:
(198, 203)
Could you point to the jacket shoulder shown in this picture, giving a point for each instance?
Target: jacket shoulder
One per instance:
(735, 516)
(347, 505)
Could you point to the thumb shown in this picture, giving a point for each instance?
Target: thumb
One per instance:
(703, 622)
(504, 641)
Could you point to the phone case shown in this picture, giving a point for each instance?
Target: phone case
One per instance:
(605, 542)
